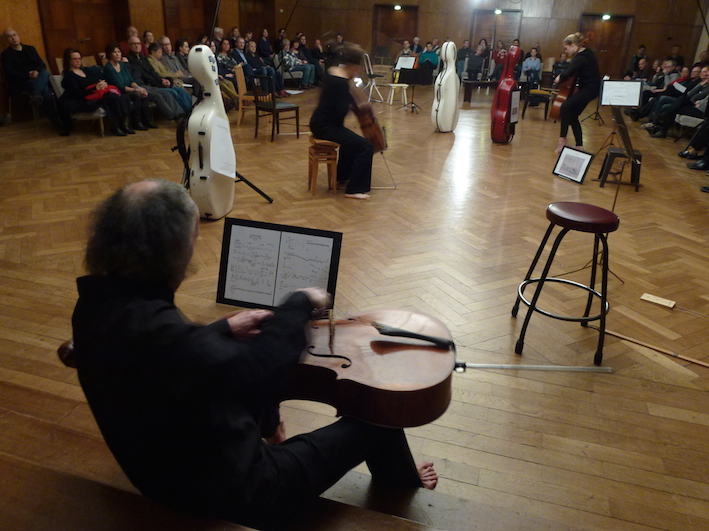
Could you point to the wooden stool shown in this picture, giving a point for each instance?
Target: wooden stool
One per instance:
(583, 218)
(322, 151)
(392, 92)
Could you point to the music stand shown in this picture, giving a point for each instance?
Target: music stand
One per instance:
(413, 76)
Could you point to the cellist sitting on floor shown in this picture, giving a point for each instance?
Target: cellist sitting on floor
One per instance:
(327, 123)
(183, 407)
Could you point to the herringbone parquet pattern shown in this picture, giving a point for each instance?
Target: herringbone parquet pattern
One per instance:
(565, 450)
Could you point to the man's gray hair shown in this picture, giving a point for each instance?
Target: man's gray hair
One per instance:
(143, 233)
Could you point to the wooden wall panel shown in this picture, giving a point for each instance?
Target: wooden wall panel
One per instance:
(148, 14)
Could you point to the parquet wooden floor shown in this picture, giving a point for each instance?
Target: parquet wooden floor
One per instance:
(567, 450)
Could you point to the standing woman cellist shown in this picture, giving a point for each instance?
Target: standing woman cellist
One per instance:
(584, 68)
(327, 122)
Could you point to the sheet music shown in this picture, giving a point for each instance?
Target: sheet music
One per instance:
(406, 62)
(265, 265)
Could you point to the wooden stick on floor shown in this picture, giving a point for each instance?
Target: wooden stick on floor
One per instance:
(658, 349)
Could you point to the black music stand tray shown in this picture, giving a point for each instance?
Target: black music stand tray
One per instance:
(413, 77)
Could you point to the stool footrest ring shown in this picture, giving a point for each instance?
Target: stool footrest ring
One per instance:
(524, 284)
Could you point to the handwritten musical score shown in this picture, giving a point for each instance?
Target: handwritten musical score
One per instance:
(263, 262)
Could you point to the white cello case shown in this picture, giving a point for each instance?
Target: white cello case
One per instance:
(444, 112)
(213, 162)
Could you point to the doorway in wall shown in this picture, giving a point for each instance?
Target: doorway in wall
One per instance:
(611, 40)
(390, 28)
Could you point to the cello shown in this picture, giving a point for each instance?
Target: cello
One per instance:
(505, 105)
(351, 365)
(398, 384)
(367, 122)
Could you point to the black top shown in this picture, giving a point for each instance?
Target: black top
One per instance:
(335, 102)
(17, 65)
(75, 86)
(585, 67)
(175, 401)
(147, 72)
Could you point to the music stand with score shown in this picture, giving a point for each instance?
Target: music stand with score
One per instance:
(412, 76)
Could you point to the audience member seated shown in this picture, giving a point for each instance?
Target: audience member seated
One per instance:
(234, 36)
(85, 90)
(248, 37)
(416, 47)
(305, 53)
(293, 63)
(634, 65)
(264, 49)
(532, 68)
(499, 66)
(278, 41)
(182, 53)
(561, 65)
(688, 81)
(428, 58)
(643, 73)
(496, 52)
(148, 38)
(435, 46)
(118, 75)
(518, 67)
(132, 31)
(476, 63)
(691, 103)
(239, 54)
(667, 74)
(703, 60)
(227, 79)
(217, 36)
(261, 69)
(405, 51)
(173, 101)
(675, 56)
(461, 56)
(26, 72)
(319, 53)
(539, 52)
(172, 63)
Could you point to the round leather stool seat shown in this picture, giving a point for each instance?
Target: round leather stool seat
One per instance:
(582, 217)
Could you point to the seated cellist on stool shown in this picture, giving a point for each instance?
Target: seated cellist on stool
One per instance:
(327, 123)
(584, 70)
(185, 408)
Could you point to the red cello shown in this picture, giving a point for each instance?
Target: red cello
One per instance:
(502, 128)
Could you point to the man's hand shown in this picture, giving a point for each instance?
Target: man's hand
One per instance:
(245, 324)
(33, 74)
(319, 298)
(165, 82)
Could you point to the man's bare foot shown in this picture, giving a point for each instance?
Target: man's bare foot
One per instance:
(280, 435)
(428, 475)
(357, 196)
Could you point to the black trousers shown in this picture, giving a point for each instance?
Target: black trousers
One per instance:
(356, 153)
(308, 464)
(570, 111)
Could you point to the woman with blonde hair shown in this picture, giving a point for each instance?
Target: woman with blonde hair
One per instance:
(584, 68)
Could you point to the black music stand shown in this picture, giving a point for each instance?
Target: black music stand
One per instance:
(415, 76)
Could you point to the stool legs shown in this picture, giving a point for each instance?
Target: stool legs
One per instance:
(598, 239)
(533, 303)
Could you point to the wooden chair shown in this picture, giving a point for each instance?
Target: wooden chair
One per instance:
(536, 97)
(326, 152)
(266, 104)
(245, 97)
(98, 114)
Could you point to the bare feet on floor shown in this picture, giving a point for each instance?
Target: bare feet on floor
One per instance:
(560, 145)
(428, 475)
(357, 196)
(280, 435)
(580, 148)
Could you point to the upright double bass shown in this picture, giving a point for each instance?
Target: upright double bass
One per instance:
(505, 106)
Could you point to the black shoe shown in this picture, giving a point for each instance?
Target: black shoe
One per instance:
(699, 165)
(127, 130)
(151, 125)
(119, 132)
(659, 134)
(138, 126)
(687, 155)
(704, 189)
